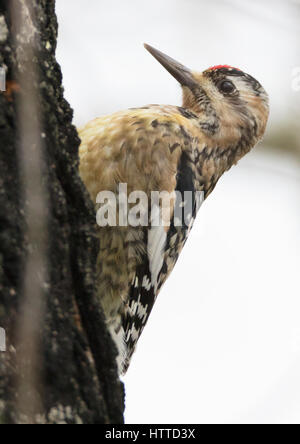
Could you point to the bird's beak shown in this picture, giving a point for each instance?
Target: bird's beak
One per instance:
(182, 74)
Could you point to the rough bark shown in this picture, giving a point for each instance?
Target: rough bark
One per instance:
(79, 381)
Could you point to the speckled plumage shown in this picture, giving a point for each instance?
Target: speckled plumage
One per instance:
(163, 148)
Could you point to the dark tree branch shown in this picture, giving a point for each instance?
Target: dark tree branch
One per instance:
(76, 356)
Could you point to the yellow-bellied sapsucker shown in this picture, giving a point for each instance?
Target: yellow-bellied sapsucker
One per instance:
(167, 149)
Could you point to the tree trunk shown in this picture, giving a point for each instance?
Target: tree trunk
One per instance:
(59, 365)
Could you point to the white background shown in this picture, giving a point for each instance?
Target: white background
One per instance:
(223, 342)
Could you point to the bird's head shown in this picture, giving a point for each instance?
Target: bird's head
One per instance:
(231, 106)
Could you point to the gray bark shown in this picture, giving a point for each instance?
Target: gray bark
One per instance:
(75, 375)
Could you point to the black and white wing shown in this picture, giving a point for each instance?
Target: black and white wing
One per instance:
(164, 245)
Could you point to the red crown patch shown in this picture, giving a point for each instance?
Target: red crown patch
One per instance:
(223, 66)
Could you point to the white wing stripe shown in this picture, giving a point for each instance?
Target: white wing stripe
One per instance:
(157, 237)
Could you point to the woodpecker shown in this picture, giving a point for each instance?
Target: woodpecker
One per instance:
(163, 148)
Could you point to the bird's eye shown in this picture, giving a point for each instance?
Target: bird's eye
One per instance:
(226, 87)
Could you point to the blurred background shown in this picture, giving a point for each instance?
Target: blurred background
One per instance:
(223, 341)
